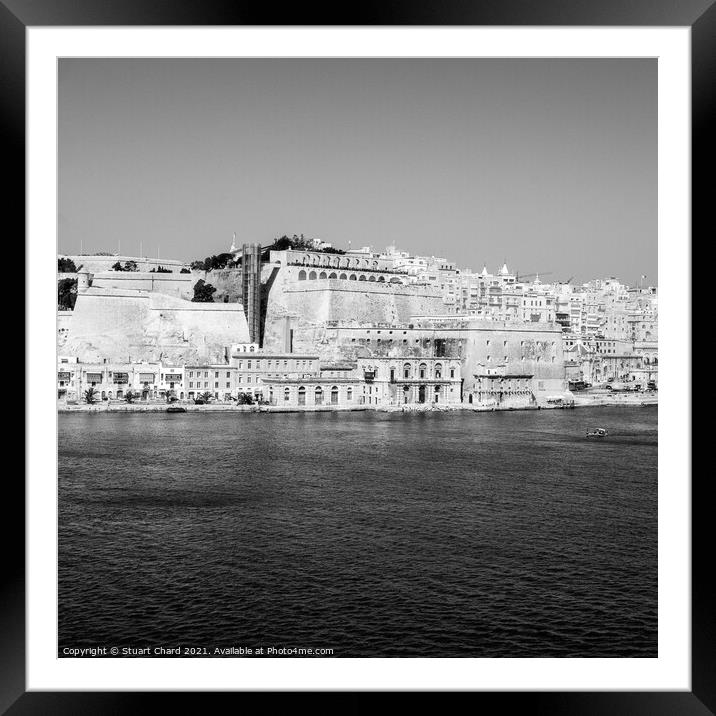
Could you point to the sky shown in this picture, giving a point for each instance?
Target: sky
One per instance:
(548, 164)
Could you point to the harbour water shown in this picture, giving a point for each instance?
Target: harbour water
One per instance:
(505, 534)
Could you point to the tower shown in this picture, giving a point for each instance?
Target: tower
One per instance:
(251, 288)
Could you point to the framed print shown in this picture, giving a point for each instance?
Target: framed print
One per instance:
(355, 324)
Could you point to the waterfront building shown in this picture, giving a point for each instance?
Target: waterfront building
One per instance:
(216, 379)
(112, 380)
(407, 379)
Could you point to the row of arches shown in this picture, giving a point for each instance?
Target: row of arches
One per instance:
(317, 395)
(314, 275)
(338, 261)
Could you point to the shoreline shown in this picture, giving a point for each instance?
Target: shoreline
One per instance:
(580, 401)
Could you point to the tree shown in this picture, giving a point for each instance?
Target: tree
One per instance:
(185, 270)
(66, 294)
(130, 397)
(90, 395)
(130, 266)
(160, 269)
(203, 292)
(245, 399)
(65, 265)
(204, 397)
(117, 267)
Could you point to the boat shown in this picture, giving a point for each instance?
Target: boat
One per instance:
(598, 433)
(176, 409)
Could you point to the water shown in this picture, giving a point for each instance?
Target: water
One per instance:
(503, 534)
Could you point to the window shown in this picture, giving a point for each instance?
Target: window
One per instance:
(216, 374)
(334, 395)
(228, 384)
(349, 394)
(301, 396)
(318, 395)
(216, 384)
(287, 394)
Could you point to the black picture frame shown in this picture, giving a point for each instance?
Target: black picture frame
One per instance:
(700, 15)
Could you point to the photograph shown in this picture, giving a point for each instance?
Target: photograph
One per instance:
(357, 357)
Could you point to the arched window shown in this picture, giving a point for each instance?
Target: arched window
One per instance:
(349, 394)
(372, 278)
(333, 275)
(406, 370)
(301, 396)
(343, 277)
(318, 395)
(423, 370)
(438, 371)
(322, 274)
(361, 278)
(334, 395)
(312, 276)
(287, 394)
(381, 279)
(395, 280)
(352, 277)
(301, 275)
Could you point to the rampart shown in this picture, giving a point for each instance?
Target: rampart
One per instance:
(124, 325)
(96, 263)
(308, 306)
(180, 285)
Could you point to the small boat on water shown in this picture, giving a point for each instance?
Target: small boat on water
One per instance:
(176, 409)
(598, 433)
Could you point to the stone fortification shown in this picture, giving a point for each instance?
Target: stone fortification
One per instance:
(123, 325)
(227, 283)
(308, 306)
(180, 285)
(64, 321)
(97, 264)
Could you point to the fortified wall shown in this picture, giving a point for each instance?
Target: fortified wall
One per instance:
(132, 325)
(97, 263)
(64, 321)
(303, 302)
(180, 285)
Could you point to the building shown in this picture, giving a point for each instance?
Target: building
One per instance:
(405, 379)
(113, 380)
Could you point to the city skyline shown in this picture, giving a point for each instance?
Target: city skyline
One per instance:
(549, 165)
